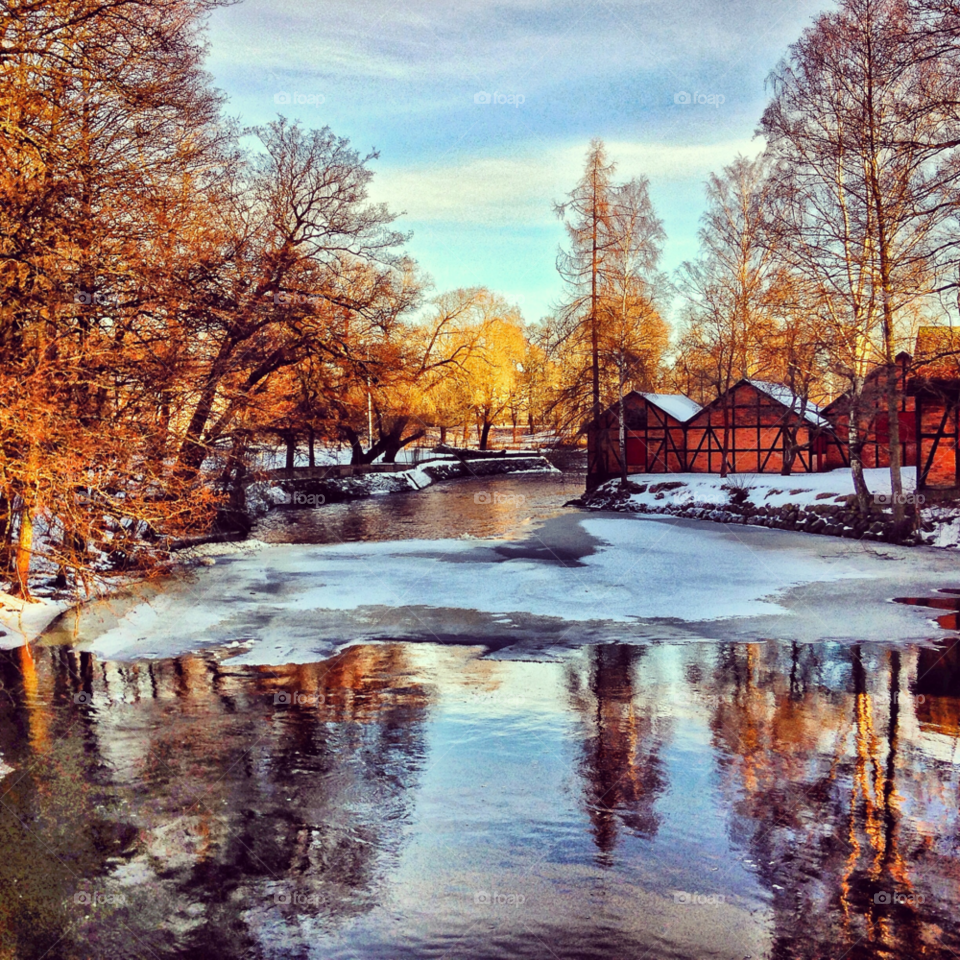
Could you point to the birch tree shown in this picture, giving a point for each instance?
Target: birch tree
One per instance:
(860, 127)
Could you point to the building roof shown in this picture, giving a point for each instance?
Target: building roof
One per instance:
(784, 395)
(675, 405)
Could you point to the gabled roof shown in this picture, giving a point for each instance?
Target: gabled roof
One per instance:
(784, 395)
(675, 405)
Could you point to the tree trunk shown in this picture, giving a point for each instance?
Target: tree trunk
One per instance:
(855, 448)
(291, 440)
(893, 416)
(24, 549)
(485, 434)
(725, 446)
(789, 451)
(623, 439)
(312, 436)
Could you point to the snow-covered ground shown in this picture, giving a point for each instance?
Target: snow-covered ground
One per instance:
(22, 622)
(770, 488)
(773, 490)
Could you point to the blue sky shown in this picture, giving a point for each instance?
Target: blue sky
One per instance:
(478, 179)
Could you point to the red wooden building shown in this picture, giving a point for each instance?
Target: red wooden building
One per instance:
(874, 422)
(654, 435)
(756, 422)
(935, 390)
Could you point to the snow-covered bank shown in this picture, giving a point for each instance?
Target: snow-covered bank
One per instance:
(22, 623)
(812, 503)
(264, 496)
(574, 580)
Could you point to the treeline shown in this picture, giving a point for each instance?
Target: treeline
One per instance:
(818, 259)
(178, 291)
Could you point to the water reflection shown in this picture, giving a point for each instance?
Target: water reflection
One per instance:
(444, 510)
(622, 768)
(153, 806)
(779, 800)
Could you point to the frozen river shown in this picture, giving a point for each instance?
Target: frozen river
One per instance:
(472, 723)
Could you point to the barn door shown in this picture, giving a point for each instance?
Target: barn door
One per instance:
(636, 454)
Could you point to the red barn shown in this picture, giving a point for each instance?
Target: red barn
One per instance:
(935, 388)
(753, 421)
(655, 440)
(874, 421)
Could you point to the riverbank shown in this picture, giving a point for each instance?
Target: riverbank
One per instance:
(24, 622)
(309, 492)
(821, 503)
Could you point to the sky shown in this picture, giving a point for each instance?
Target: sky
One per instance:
(482, 110)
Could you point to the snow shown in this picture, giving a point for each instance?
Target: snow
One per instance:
(24, 622)
(675, 404)
(789, 399)
(769, 488)
(801, 489)
(641, 577)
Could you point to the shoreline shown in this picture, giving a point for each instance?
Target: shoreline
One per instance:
(822, 503)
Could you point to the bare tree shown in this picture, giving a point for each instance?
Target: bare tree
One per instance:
(728, 287)
(858, 127)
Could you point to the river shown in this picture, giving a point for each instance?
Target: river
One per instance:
(405, 799)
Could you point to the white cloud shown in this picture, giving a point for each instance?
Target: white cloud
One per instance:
(520, 190)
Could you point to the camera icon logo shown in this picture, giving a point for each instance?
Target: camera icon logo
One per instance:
(83, 897)
(281, 97)
(482, 498)
(82, 296)
(881, 897)
(682, 97)
(282, 898)
(481, 897)
(283, 698)
(82, 697)
(482, 97)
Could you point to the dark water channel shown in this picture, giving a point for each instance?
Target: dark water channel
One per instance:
(408, 800)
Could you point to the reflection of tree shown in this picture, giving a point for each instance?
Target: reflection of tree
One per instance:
(187, 776)
(621, 765)
(815, 777)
